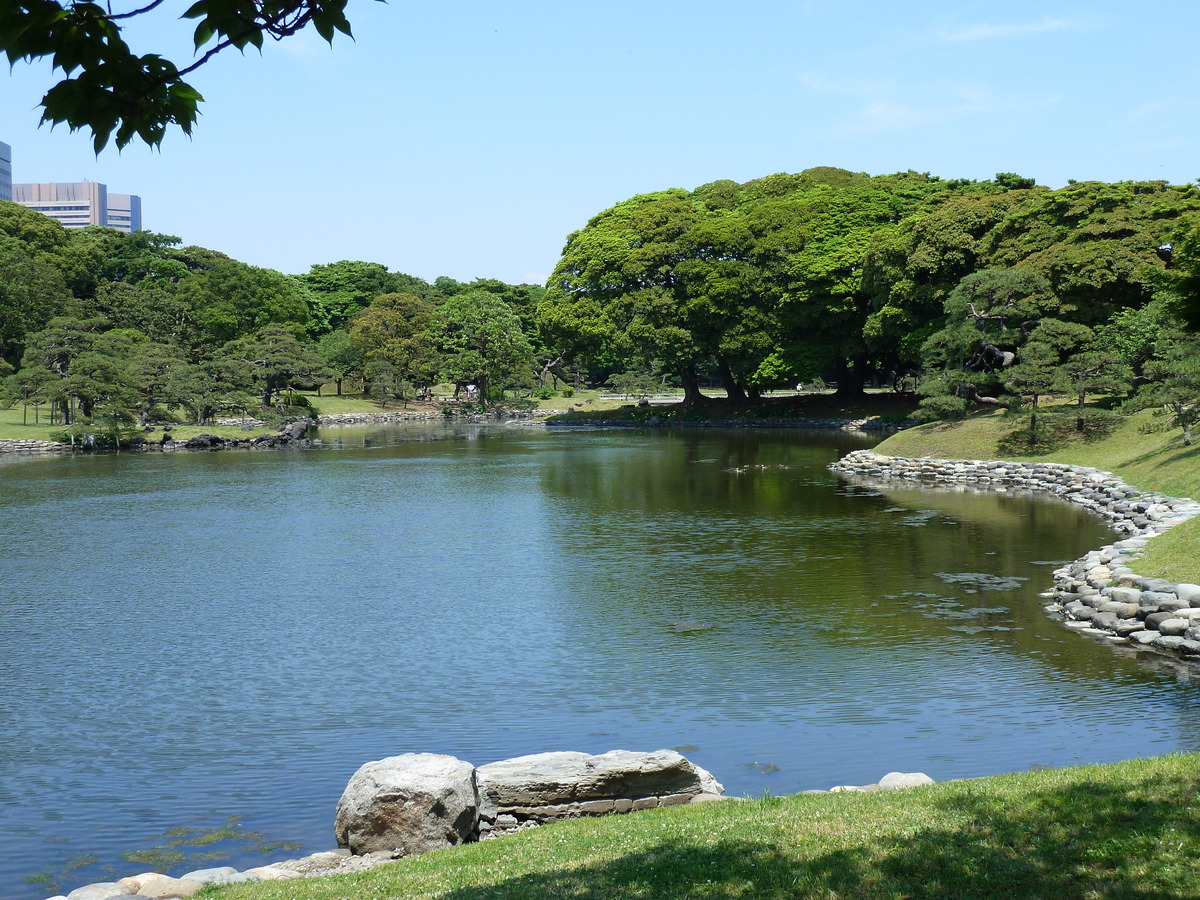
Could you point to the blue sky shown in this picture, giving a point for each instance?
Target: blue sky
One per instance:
(469, 138)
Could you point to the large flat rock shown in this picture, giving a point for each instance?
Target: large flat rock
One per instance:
(570, 783)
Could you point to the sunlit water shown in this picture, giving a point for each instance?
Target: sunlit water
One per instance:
(206, 641)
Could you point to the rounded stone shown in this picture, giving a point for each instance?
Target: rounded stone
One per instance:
(1174, 626)
(893, 781)
(409, 803)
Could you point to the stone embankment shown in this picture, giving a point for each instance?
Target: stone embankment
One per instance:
(26, 446)
(1098, 594)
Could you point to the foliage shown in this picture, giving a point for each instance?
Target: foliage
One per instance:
(1173, 388)
(479, 340)
(118, 91)
(637, 385)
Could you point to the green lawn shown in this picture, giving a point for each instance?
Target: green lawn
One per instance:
(1130, 830)
(16, 426)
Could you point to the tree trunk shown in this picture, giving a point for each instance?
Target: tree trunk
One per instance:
(850, 378)
(733, 390)
(339, 386)
(691, 386)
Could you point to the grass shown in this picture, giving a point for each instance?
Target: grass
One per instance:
(1148, 459)
(1129, 830)
(13, 426)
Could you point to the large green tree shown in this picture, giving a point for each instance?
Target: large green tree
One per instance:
(479, 339)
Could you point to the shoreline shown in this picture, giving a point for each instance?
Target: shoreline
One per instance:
(1098, 594)
(288, 436)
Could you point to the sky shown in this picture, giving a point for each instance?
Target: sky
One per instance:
(470, 138)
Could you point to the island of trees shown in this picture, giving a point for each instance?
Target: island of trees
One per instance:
(972, 294)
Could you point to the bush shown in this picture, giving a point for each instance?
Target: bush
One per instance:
(568, 392)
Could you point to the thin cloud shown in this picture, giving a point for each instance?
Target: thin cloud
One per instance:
(881, 107)
(987, 31)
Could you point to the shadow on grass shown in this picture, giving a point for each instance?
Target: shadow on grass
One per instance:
(1080, 841)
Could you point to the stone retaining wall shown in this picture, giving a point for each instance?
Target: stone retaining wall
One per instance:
(1098, 594)
(26, 446)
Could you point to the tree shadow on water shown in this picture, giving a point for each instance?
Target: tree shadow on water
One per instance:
(1082, 840)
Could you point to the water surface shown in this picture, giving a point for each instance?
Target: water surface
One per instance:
(198, 650)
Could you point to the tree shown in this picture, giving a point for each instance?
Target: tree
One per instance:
(276, 359)
(139, 96)
(990, 316)
(1092, 372)
(394, 328)
(230, 299)
(338, 291)
(51, 352)
(1038, 372)
(479, 339)
(1184, 254)
(1174, 387)
(341, 355)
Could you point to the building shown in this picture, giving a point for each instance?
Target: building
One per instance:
(125, 212)
(82, 203)
(5, 171)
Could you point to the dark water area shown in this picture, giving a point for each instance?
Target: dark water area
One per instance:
(198, 650)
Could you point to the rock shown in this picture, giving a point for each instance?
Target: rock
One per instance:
(894, 781)
(220, 875)
(549, 785)
(1174, 626)
(1171, 603)
(410, 803)
(272, 873)
(1168, 642)
(1127, 627)
(1123, 594)
(158, 887)
(1144, 637)
(1188, 592)
(1155, 619)
(105, 890)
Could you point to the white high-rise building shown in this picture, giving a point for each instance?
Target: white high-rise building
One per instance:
(5, 171)
(82, 203)
(125, 212)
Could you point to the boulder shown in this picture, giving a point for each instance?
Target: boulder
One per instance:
(556, 785)
(894, 781)
(409, 803)
(159, 887)
(1188, 592)
(103, 890)
(220, 875)
(1174, 626)
(1156, 618)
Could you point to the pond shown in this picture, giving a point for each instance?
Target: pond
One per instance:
(197, 650)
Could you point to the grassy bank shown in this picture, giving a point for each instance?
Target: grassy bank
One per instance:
(1130, 830)
(1154, 461)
